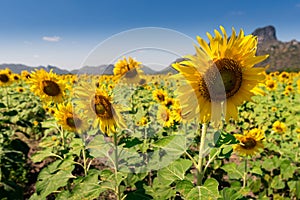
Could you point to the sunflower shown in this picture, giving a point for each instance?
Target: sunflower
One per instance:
(128, 70)
(250, 142)
(5, 77)
(69, 120)
(48, 86)
(159, 95)
(284, 77)
(20, 89)
(143, 121)
(289, 88)
(232, 59)
(164, 116)
(279, 127)
(270, 84)
(25, 75)
(100, 108)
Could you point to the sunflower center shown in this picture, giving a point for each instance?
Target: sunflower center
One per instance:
(73, 121)
(131, 73)
(4, 78)
(102, 107)
(231, 74)
(279, 129)
(165, 116)
(249, 143)
(51, 88)
(271, 85)
(161, 97)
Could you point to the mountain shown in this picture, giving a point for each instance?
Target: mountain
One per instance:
(283, 56)
(18, 68)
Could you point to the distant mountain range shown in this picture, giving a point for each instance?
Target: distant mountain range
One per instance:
(284, 56)
(101, 69)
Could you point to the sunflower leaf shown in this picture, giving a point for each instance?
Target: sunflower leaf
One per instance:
(209, 190)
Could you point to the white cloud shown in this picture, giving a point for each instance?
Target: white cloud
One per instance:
(36, 56)
(52, 39)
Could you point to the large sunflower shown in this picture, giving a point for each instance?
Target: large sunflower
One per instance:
(5, 77)
(69, 120)
(99, 107)
(232, 59)
(250, 142)
(128, 70)
(48, 86)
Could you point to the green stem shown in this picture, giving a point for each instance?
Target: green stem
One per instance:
(245, 173)
(210, 160)
(62, 135)
(117, 186)
(84, 161)
(199, 167)
(7, 98)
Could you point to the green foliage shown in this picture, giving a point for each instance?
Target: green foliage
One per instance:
(149, 161)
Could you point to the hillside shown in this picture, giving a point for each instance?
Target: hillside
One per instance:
(284, 56)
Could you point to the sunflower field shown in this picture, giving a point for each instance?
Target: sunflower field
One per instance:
(222, 128)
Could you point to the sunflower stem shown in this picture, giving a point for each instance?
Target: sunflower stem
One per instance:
(62, 135)
(245, 173)
(84, 161)
(199, 167)
(117, 186)
(7, 98)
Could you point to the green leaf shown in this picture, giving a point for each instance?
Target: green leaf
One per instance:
(271, 163)
(226, 152)
(113, 180)
(295, 188)
(54, 176)
(287, 169)
(255, 185)
(99, 148)
(257, 170)
(88, 188)
(132, 178)
(41, 155)
(159, 191)
(234, 171)
(175, 171)
(230, 194)
(277, 183)
(76, 146)
(224, 138)
(2, 105)
(184, 187)
(209, 191)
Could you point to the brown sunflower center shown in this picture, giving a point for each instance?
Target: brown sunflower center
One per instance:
(131, 73)
(248, 143)
(271, 85)
(51, 88)
(165, 116)
(73, 122)
(161, 97)
(279, 129)
(102, 107)
(212, 88)
(4, 78)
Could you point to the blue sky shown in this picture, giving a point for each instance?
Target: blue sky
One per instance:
(63, 32)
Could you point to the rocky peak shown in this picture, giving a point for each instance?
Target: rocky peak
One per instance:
(266, 34)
